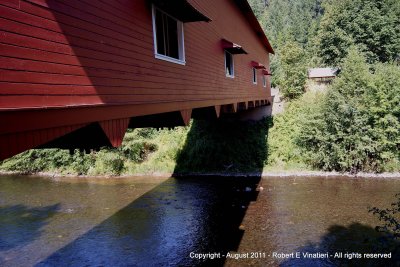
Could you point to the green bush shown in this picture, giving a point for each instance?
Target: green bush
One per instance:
(284, 152)
(108, 162)
(80, 162)
(293, 70)
(371, 25)
(224, 146)
(37, 160)
(357, 127)
(138, 151)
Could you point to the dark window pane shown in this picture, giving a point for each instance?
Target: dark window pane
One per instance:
(228, 64)
(167, 35)
(160, 32)
(172, 39)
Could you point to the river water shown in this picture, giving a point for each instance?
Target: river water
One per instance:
(175, 221)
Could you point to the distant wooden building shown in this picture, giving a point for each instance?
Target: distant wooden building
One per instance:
(98, 67)
(322, 75)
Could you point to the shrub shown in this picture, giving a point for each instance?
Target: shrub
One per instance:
(357, 127)
(108, 162)
(390, 227)
(293, 70)
(138, 151)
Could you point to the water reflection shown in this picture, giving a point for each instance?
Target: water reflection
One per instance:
(165, 225)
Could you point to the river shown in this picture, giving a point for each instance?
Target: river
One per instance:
(146, 221)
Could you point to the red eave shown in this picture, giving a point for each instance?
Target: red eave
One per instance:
(251, 18)
(265, 72)
(232, 47)
(257, 65)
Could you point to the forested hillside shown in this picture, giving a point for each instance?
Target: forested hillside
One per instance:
(318, 33)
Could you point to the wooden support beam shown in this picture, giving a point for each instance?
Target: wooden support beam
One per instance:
(217, 110)
(235, 107)
(115, 130)
(251, 104)
(186, 116)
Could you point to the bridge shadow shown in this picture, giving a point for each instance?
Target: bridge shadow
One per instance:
(355, 238)
(167, 226)
(224, 146)
(20, 225)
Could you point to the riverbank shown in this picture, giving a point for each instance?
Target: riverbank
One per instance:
(265, 174)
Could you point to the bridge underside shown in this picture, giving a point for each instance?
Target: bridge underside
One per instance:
(79, 128)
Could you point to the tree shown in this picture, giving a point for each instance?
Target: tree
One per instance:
(358, 125)
(293, 70)
(371, 25)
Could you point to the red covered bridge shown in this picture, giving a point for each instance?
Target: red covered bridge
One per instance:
(78, 73)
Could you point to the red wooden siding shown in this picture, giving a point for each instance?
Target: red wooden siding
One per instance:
(65, 63)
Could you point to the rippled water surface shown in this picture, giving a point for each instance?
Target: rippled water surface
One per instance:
(169, 221)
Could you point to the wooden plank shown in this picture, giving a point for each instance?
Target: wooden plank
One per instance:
(11, 3)
(115, 130)
(217, 110)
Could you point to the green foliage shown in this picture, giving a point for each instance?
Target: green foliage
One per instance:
(372, 25)
(357, 127)
(390, 217)
(34, 161)
(224, 146)
(289, 17)
(284, 153)
(259, 8)
(138, 151)
(390, 227)
(290, 26)
(137, 147)
(108, 162)
(79, 163)
(292, 75)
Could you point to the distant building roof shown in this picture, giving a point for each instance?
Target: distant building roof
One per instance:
(322, 72)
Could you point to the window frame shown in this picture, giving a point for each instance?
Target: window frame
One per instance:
(254, 75)
(181, 39)
(232, 65)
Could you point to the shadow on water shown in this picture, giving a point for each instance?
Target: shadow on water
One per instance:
(357, 238)
(20, 225)
(165, 225)
(184, 216)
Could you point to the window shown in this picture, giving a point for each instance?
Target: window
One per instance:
(264, 79)
(229, 71)
(254, 76)
(168, 37)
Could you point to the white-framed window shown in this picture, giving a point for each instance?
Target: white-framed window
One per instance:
(229, 68)
(264, 79)
(168, 37)
(254, 72)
